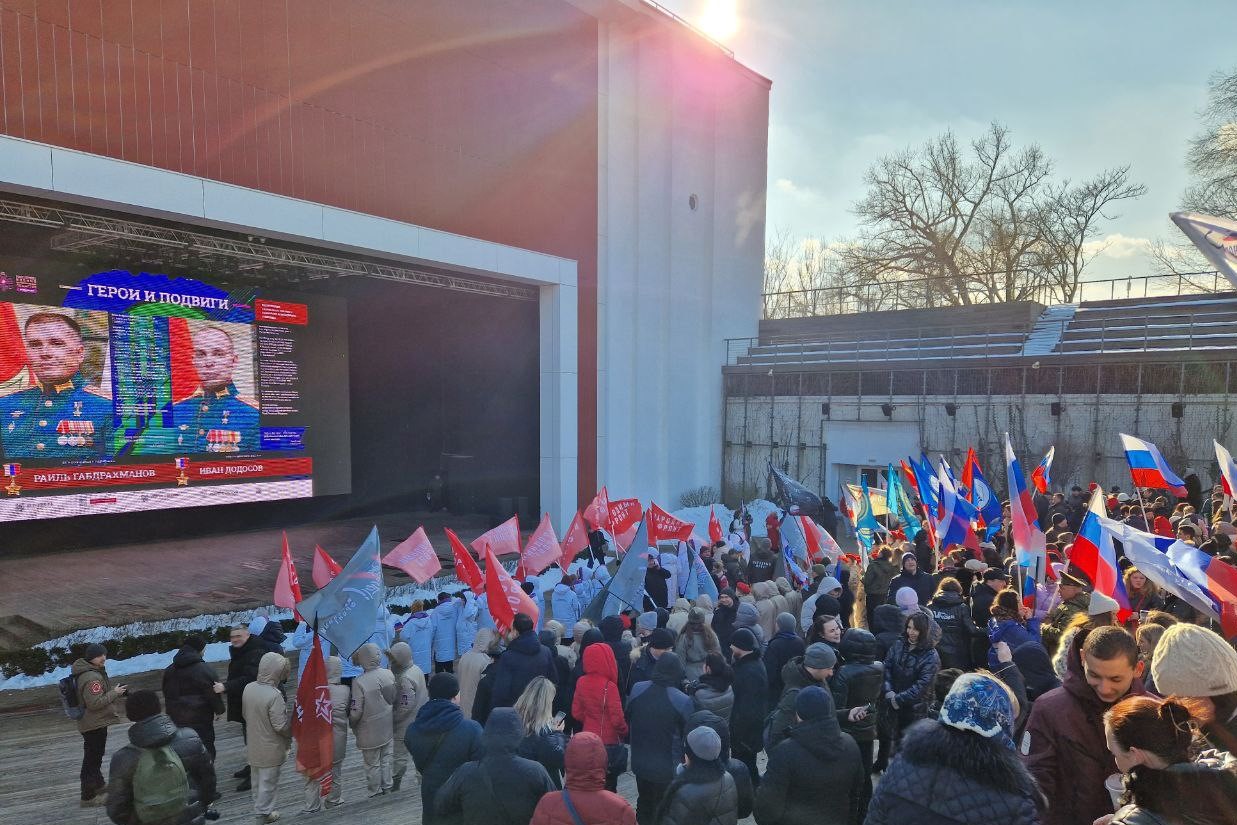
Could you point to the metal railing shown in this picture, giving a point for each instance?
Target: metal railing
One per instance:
(919, 294)
(1170, 332)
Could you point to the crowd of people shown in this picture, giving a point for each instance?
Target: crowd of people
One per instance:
(917, 686)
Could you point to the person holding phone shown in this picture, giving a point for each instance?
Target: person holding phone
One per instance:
(97, 698)
(544, 740)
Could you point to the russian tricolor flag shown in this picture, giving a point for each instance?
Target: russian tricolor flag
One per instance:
(1024, 526)
(952, 525)
(1041, 476)
(1217, 579)
(1094, 555)
(1148, 467)
(1228, 470)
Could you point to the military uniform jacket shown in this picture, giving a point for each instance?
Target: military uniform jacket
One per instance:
(216, 421)
(61, 421)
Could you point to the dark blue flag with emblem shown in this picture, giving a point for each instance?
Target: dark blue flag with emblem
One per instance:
(347, 609)
(625, 590)
(792, 493)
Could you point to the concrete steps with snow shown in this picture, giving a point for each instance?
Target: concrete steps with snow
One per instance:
(1049, 327)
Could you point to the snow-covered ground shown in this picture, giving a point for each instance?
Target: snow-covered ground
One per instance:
(400, 596)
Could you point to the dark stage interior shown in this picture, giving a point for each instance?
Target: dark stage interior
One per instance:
(440, 380)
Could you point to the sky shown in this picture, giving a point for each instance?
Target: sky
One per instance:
(1096, 83)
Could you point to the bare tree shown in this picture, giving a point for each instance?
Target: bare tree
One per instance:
(1212, 156)
(949, 226)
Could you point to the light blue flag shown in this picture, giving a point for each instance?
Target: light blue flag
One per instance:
(626, 589)
(697, 580)
(348, 609)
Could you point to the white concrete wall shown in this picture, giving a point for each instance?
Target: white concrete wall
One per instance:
(677, 119)
(858, 433)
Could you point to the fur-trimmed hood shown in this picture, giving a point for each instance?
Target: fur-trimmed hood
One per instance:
(929, 744)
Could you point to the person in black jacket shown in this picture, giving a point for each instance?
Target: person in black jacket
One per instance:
(910, 667)
(958, 629)
(657, 712)
(246, 651)
(500, 787)
(270, 634)
(723, 617)
(192, 693)
(751, 697)
(856, 688)
(815, 775)
(657, 643)
(153, 729)
(983, 596)
(524, 660)
(914, 577)
(963, 767)
(737, 770)
(656, 584)
(785, 645)
(440, 739)
(887, 625)
(703, 791)
(761, 564)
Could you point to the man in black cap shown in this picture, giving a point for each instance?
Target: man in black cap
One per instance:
(751, 686)
(440, 739)
(153, 729)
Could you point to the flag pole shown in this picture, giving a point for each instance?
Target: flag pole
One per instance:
(1143, 507)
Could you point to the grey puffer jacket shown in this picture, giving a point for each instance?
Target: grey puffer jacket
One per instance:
(156, 732)
(703, 793)
(373, 699)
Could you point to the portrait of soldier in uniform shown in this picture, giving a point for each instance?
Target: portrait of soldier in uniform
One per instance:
(62, 416)
(216, 418)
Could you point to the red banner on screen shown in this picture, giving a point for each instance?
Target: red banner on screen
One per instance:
(164, 473)
(280, 312)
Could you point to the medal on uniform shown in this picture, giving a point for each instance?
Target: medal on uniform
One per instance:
(11, 472)
(182, 464)
(77, 408)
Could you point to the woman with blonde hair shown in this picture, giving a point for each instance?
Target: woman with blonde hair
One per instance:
(544, 740)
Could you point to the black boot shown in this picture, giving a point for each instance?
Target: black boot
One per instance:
(243, 773)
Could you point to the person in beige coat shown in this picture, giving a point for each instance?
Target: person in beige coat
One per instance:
(410, 695)
(794, 599)
(766, 609)
(678, 616)
(97, 698)
(780, 603)
(268, 727)
(471, 665)
(341, 698)
(372, 715)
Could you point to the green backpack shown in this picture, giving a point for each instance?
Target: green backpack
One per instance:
(160, 786)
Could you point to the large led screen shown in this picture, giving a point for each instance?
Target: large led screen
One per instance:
(129, 391)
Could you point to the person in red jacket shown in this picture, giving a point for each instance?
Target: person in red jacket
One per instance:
(598, 703)
(773, 529)
(1064, 745)
(585, 763)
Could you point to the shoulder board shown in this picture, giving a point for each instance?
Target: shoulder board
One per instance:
(97, 392)
(244, 399)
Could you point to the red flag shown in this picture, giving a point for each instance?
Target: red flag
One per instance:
(597, 514)
(185, 380)
(715, 527)
(325, 568)
(311, 721)
(505, 539)
(576, 538)
(623, 540)
(624, 514)
(287, 585)
(466, 569)
(416, 557)
(542, 549)
(910, 476)
(505, 597)
(665, 527)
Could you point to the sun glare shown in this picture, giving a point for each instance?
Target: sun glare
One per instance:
(720, 19)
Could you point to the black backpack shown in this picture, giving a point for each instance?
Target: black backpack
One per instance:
(70, 699)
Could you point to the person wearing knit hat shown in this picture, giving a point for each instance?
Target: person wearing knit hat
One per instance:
(646, 623)
(814, 667)
(98, 698)
(1100, 605)
(742, 642)
(785, 645)
(965, 756)
(820, 656)
(815, 773)
(655, 644)
(704, 743)
(440, 739)
(702, 791)
(907, 600)
(751, 697)
(822, 604)
(1196, 663)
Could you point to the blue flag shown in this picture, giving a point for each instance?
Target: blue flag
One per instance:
(348, 608)
(626, 589)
